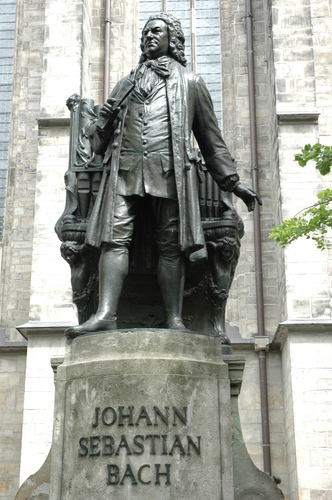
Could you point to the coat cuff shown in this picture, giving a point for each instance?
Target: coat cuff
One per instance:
(230, 183)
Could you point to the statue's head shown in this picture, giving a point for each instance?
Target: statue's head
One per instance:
(70, 251)
(228, 248)
(176, 40)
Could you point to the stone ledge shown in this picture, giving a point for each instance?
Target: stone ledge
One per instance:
(250, 345)
(237, 342)
(7, 346)
(49, 121)
(34, 327)
(289, 327)
(143, 343)
(298, 116)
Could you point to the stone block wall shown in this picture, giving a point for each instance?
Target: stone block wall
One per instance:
(321, 21)
(289, 421)
(250, 414)
(236, 129)
(92, 49)
(307, 387)
(65, 68)
(293, 52)
(18, 231)
(81, 72)
(62, 55)
(12, 374)
(124, 39)
(51, 296)
(293, 71)
(273, 285)
(37, 427)
(302, 48)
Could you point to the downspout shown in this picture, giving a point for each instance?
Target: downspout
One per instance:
(258, 245)
(107, 49)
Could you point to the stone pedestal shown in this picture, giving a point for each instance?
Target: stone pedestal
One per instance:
(151, 414)
(142, 414)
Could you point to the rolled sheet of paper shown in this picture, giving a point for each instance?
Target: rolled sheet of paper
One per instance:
(105, 122)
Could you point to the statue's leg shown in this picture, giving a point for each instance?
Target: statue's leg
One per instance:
(171, 270)
(113, 268)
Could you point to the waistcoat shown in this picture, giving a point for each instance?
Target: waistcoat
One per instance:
(146, 158)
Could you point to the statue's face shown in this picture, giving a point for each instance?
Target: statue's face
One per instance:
(227, 252)
(155, 39)
(70, 256)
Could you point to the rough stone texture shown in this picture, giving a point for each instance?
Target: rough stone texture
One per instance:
(308, 295)
(303, 83)
(142, 368)
(322, 27)
(293, 70)
(307, 387)
(250, 483)
(81, 72)
(18, 231)
(250, 414)
(124, 34)
(273, 285)
(37, 486)
(241, 309)
(38, 397)
(249, 403)
(51, 296)
(12, 371)
(62, 48)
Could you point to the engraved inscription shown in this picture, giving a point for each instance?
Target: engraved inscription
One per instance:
(163, 443)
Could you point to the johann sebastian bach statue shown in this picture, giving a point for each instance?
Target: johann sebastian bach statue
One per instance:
(144, 133)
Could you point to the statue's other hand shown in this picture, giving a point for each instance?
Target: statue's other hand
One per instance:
(107, 110)
(248, 196)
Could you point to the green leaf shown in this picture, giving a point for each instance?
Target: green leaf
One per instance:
(321, 155)
(314, 222)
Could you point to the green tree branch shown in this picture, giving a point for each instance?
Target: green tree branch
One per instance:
(317, 219)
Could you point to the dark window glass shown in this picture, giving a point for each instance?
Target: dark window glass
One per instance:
(7, 36)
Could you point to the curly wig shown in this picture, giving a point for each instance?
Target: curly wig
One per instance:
(176, 40)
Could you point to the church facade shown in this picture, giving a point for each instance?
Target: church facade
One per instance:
(54, 48)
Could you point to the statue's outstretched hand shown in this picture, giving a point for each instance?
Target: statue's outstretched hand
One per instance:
(248, 196)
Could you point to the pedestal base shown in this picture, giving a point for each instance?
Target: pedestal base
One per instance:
(151, 414)
(142, 414)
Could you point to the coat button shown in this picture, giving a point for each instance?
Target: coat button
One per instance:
(115, 145)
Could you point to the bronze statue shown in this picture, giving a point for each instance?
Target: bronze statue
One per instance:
(144, 132)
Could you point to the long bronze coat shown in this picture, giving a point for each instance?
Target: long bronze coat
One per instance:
(190, 109)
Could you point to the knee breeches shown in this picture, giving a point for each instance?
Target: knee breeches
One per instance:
(166, 222)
